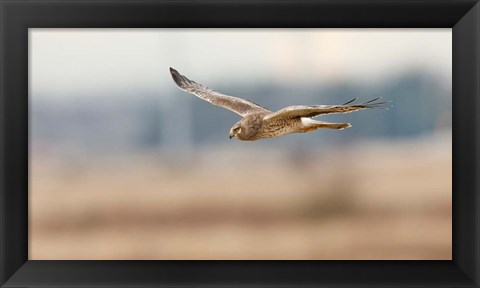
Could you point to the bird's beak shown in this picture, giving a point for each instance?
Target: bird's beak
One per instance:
(231, 135)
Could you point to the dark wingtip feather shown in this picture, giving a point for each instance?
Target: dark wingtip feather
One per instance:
(373, 104)
(174, 72)
(179, 79)
(348, 102)
(373, 100)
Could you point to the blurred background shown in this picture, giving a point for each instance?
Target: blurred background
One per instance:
(124, 165)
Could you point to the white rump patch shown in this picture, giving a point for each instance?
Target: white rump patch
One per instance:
(306, 121)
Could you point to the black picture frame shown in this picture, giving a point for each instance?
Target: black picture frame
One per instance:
(17, 16)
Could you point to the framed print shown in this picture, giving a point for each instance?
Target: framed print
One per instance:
(113, 154)
(272, 189)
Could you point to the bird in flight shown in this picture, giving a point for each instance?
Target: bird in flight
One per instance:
(259, 123)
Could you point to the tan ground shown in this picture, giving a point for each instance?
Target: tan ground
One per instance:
(377, 201)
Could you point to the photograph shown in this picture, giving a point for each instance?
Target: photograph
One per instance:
(240, 144)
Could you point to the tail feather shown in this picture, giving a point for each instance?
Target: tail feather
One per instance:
(310, 125)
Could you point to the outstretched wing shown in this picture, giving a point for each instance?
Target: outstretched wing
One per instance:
(237, 105)
(312, 111)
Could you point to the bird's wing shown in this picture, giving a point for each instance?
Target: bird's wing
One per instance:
(237, 105)
(312, 111)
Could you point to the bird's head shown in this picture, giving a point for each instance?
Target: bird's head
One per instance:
(235, 130)
(247, 128)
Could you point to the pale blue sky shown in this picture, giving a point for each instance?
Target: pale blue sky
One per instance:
(84, 62)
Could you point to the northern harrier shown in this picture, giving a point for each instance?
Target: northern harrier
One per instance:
(259, 122)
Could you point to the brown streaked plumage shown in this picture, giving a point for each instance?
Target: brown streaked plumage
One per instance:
(260, 123)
